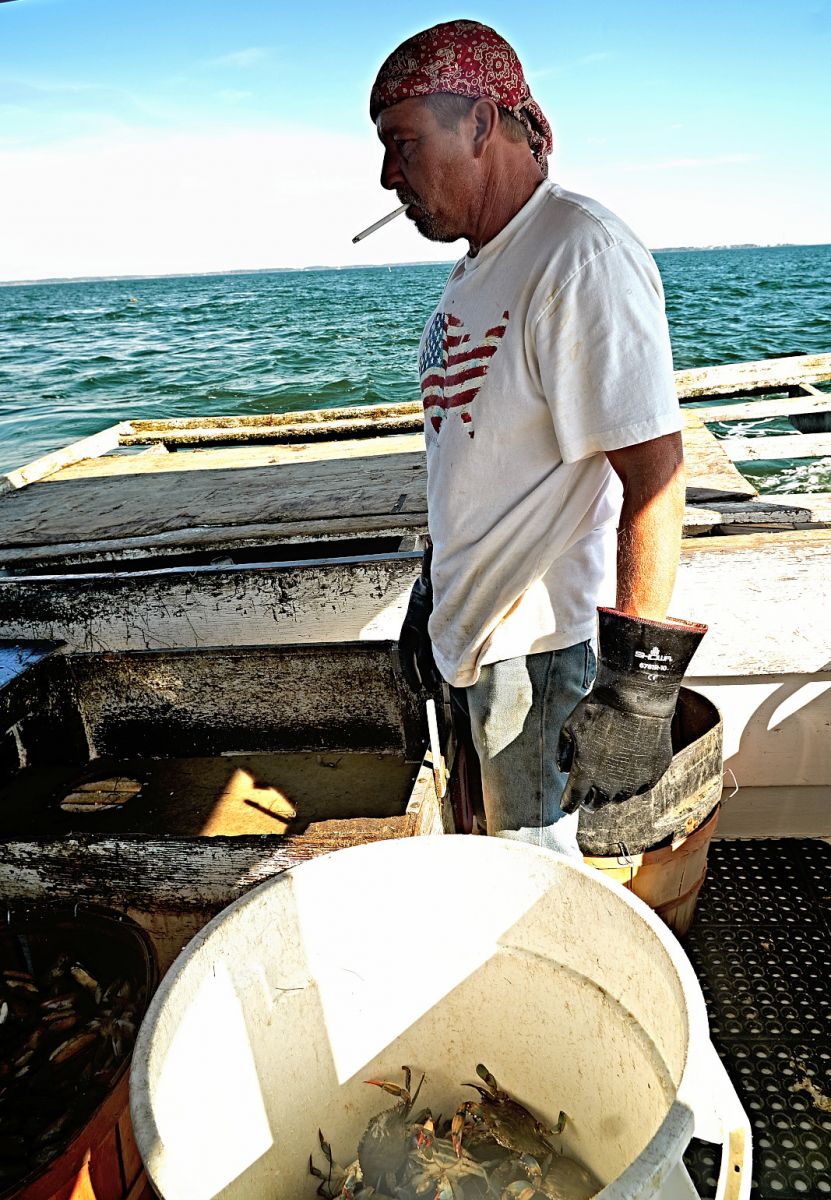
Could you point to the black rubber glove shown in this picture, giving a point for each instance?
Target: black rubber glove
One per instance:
(616, 743)
(415, 651)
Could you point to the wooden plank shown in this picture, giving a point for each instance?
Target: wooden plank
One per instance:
(765, 596)
(150, 462)
(130, 1156)
(246, 700)
(105, 1168)
(811, 510)
(90, 447)
(710, 473)
(336, 425)
(275, 545)
(795, 445)
(311, 794)
(182, 505)
(752, 378)
(312, 602)
(309, 417)
(764, 410)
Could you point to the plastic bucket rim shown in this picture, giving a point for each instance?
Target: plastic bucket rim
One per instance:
(672, 1135)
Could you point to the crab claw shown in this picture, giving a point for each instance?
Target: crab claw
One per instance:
(425, 1135)
(457, 1128)
(486, 1077)
(394, 1089)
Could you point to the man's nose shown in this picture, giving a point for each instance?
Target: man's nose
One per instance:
(391, 176)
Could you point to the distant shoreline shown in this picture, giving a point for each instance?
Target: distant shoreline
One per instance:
(366, 266)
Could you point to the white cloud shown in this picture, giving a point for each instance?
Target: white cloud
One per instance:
(122, 201)
(152, 203)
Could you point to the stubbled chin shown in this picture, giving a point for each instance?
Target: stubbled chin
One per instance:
(433, 232)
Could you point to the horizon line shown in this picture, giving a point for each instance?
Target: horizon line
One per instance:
(28, 282)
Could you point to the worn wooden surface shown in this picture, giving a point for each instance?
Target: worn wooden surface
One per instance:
(710, 473)
(88, 448)
(311, 602)
(174, 506)
(330, 476)
(236, 458)
(761, 593)
(329, 697)
(794, 445)
(810, 510)
(173, 885)
(226, 500)
(752, 378)
(763, 410)
(289, 794)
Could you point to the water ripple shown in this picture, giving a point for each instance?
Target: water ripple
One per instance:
(79, 356)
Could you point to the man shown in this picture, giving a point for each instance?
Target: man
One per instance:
(553, 448)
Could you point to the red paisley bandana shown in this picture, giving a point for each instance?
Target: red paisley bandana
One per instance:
(463, 58)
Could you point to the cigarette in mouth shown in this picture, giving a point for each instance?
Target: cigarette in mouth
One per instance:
(389, 217)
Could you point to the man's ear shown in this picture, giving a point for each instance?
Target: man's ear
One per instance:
(485, 115)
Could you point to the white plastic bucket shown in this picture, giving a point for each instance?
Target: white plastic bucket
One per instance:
(439, 953)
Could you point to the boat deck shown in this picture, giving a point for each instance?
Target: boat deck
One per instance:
(761, 947)
(305, 797)
(223, 485)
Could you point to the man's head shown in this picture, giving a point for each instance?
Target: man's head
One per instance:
(456, 118)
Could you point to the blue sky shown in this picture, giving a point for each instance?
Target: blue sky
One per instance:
(153, 137)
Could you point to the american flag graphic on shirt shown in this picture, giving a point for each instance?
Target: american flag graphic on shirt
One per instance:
(453, 369)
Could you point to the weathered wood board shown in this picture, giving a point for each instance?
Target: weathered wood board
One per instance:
(794, 445)
(810, 510)
(765, 596)
(308, 602)
(224, 505)
(225, 498)
(764, 410)
(228, 458)
(313, 794)
(247, 700)
(753, 378)
(710, 473)
(235, 742)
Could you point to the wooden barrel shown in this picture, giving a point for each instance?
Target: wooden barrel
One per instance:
(668, 879)
(100, 1161)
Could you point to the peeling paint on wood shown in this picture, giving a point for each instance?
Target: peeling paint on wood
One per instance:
(245, 700)
(312, 602)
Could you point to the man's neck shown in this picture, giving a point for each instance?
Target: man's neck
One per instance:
(506, 192)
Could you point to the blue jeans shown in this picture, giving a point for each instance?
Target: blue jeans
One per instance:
(517, 708)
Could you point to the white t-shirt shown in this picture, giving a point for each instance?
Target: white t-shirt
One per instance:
(546, 349)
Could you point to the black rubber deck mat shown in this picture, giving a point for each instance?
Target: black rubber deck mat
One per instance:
(761, 947)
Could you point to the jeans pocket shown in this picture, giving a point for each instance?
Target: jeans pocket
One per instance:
(590, 669)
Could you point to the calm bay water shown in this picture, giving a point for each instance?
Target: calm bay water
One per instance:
(75, 357)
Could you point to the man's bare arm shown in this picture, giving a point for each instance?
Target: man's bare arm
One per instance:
(649, 533)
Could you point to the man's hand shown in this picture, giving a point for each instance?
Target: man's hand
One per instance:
(415, 651)
(617, 742)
